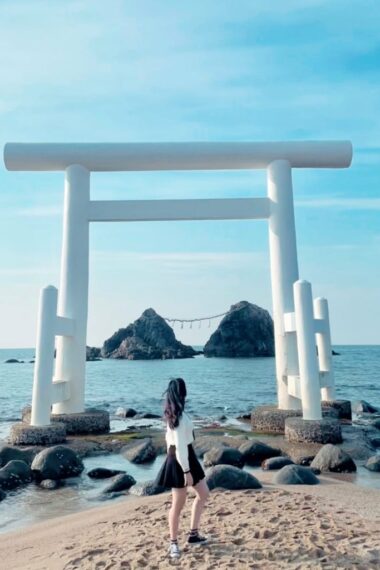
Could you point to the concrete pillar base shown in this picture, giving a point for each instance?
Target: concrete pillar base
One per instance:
(88, 422)
(323, 431)
(342, 407)
(25, 434)
(83, 423)
(269, 419)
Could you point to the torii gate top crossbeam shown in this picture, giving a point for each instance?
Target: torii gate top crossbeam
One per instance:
(100, 157)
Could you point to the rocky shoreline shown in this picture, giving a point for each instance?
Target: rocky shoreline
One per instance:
(225, 451)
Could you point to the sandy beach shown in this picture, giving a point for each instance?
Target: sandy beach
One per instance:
(332, 525)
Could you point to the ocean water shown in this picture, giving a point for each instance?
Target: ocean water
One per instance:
(216, 386)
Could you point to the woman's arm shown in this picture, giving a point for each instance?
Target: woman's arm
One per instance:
(181, 449)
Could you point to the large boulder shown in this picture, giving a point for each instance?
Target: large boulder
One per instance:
(274, 463)
(119, 483)
(373, 463)
(332, 458)
(148, 338)
(230, 477)
(223, 456)
(255, 452)
(146, 488)
(57, 462)
(2, 495)
(295, 475)
(141, 451)
(8, 453)
(246, 330)
(14, 474)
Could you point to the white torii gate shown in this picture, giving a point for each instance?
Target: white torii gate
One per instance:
(298, 323)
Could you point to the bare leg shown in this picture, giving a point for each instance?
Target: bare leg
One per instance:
(202, 493)
(179, 499)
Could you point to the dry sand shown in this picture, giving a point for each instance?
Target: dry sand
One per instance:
(332, 525)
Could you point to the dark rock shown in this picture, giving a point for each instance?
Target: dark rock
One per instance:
(305, 460)
(221, 418)
(363, 407)
(276, 463)
(246, 416)
(8, 453)
(295, 475)
(230, 477)
(50, 484)
(341, 407)
(148, 338)
(375, 441)
(13, 361)
(92, 353)
(103, 473)
(334, 353)
(245, 331)
(146, 415)
(373, 463)
(146, 488)
(2, 495)
(140, 451)
(57, 462)
(120, 483)
(332, 458)
(255, 452)
(223, 456)
(204, 443)
(125, 412)
(14, 474)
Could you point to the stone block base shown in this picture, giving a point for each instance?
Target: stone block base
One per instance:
(25, 434)
(342, 407)
(82, 423)
(269, 419)
(323, 431)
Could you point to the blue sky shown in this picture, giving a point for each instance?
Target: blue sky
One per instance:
(167, 71)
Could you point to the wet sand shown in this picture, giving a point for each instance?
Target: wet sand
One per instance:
(332, 525)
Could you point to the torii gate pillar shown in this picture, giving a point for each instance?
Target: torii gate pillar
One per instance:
(284, 273)
(73, 290)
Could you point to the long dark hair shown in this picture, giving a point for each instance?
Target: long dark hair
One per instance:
(175, 396)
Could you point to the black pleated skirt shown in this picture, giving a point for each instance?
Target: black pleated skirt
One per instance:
(171, 473)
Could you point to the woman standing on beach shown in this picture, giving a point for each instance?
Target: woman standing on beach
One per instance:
(181, 468)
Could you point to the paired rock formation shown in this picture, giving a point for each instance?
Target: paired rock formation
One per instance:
(246, 331)
(148, 338)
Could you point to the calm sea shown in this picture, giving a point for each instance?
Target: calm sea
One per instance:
(217, 386)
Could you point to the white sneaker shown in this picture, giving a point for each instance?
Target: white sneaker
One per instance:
(174, 551)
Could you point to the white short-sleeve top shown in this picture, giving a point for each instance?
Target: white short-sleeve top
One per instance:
(181, 437)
